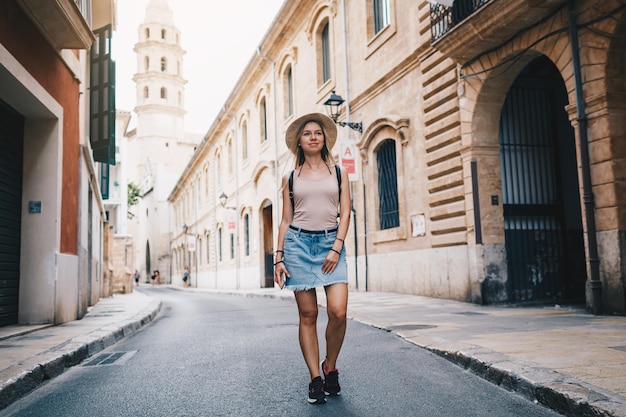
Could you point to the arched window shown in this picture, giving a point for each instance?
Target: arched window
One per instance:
(206, 180)
(381, 15)
(263, 119)
(324, 53)
(163, 92)
(147, 33)
(146, 92)
(199, 246)
(218, 169)
(219, 244)
(232, 246)
(244, 140)
(288, 91)
(163, 64)
(208, 248)
(246, 229)
(230, 156)
(163, 33)
(147, 63)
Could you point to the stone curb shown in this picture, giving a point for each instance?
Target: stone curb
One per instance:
(55, 361)
(565, 395)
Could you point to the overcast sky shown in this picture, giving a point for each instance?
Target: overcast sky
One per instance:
(220, 38)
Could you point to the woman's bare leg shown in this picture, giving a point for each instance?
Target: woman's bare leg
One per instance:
(307, 332)
(337, 306)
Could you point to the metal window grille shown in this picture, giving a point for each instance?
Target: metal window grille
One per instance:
(387, 185)
(232, 246)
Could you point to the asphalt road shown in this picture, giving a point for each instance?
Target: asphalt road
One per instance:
(221, 355)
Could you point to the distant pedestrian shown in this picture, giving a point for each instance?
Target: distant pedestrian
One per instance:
(137, 276)
(155, 277)
(310, 241)
(186, 278)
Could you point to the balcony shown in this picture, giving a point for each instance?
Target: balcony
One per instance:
(472, 27)
(66, 24)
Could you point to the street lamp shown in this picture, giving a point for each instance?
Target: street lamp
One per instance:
(333, 108)
(223, 200)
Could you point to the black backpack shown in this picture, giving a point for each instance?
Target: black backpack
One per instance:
(337, 170)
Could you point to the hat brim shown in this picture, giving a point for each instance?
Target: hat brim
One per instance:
(330, 130)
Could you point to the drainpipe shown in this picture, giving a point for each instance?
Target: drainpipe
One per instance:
(352, 208)
(275, 213)
(592, 243)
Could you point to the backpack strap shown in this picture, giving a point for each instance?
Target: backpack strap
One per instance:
(291, 191)
(338, 170)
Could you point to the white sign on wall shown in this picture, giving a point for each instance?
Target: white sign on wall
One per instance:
(191, 243)
(418, 225)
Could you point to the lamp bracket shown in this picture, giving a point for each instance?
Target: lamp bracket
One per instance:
(354, 126)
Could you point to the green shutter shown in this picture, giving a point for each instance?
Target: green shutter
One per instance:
(102, 104)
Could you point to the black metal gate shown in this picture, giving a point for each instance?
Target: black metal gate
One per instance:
(543, 235)
(11, 155)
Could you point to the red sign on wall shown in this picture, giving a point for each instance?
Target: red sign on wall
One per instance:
(347, 157)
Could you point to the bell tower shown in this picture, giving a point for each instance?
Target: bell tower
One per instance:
(159, 79)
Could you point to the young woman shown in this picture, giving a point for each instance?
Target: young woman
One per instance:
(311, 250)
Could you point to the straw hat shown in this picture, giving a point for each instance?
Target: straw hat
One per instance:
(330, 130)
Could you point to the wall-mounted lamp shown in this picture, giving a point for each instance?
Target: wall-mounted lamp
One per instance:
(185, 227)
(223, 200)
(333, 108)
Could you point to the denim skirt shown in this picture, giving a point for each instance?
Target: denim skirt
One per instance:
(304, 255)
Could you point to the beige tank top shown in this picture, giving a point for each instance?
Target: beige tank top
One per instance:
(316, 202)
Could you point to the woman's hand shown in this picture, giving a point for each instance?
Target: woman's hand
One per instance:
(280, 273)
(330, 263)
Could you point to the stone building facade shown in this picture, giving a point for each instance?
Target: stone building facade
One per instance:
(490, 161)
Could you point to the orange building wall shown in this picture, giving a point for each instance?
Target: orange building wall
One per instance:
(22, 39)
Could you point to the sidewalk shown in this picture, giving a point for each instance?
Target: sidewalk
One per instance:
(569, 360)
(31, 354)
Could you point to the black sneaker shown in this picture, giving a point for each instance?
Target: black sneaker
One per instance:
(331, 381)
(316, 391)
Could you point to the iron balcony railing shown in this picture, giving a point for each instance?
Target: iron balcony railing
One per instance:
(85, 9)
(443, 18)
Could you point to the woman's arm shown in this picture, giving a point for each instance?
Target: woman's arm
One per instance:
(332, 258)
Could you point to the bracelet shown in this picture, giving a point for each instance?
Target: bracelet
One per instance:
(281, 251)
(340, 239)
(337, 252)
(278, 262)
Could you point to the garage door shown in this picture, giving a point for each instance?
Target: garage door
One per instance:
(11, 152)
